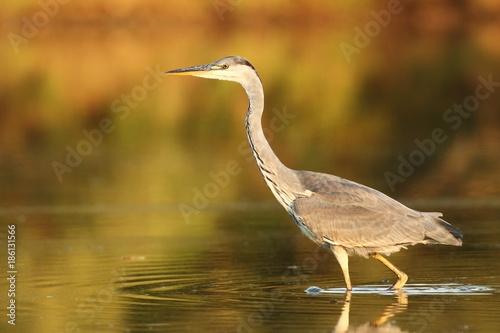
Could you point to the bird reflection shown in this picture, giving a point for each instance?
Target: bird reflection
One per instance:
(378, 325)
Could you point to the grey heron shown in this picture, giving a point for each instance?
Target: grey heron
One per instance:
(344, 216)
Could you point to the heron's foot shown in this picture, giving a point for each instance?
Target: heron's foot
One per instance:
(402, 278)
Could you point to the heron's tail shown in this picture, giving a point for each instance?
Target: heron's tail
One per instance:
(454, 231)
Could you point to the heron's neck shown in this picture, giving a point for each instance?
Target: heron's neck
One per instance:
(278, 177)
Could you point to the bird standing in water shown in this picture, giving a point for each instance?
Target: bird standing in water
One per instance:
(344, 216)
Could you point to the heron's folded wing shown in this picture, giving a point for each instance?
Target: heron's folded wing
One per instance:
(353, 220)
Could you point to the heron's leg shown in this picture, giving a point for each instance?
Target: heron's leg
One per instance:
(402, 277)
(343, 260)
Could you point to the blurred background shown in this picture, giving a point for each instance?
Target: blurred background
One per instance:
(358, 102)
(95, 141)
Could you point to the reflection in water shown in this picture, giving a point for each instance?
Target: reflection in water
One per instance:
(378, 325)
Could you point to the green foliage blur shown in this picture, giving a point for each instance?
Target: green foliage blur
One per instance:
(364, 80)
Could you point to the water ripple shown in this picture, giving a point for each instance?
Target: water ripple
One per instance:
(409, 289)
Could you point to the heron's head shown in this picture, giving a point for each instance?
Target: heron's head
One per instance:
(233, 68)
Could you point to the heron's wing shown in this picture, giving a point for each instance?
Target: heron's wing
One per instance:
(342, 212)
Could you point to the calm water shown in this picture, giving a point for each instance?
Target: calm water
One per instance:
(238, 268)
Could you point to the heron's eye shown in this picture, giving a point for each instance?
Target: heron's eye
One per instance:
(224, 66)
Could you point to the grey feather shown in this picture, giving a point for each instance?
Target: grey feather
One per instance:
(364, 220)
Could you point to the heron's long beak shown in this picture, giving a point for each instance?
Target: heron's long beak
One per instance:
(195, 70)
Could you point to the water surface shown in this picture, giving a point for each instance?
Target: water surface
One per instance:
(239, 268)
